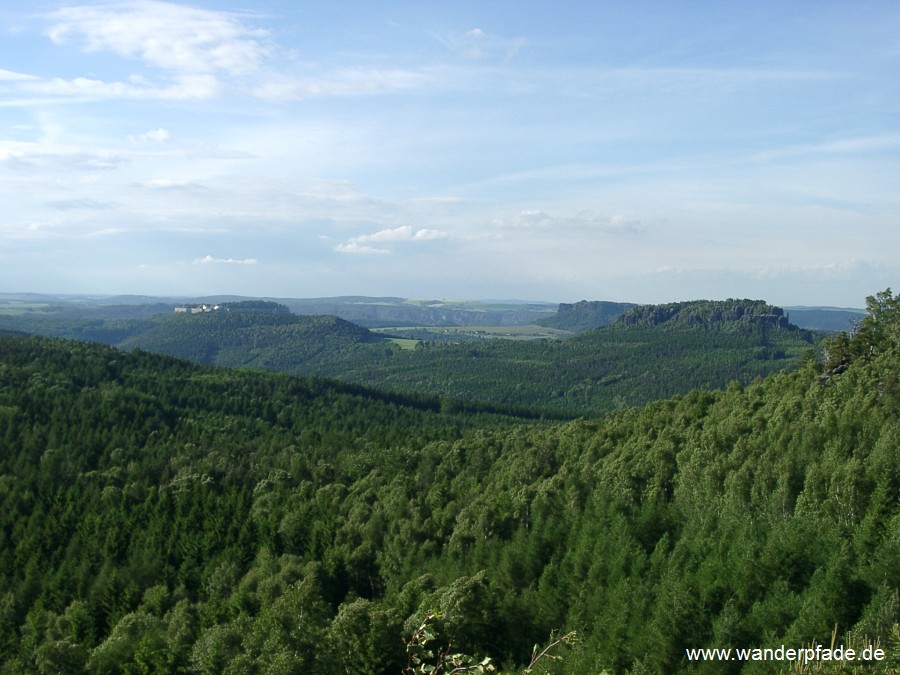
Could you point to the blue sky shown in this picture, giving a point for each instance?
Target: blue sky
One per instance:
(632, 151)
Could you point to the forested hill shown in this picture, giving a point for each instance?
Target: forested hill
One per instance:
(259, 335)
(707, 313)
(161, 517)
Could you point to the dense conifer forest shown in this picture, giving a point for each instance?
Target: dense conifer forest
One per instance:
(159, 516)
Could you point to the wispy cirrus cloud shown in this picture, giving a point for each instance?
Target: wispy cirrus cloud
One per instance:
(171, 184)
(50, 155)
(843, 146)
(212, 260)
(838, 269)
(185, 87)
(81, 203)
(341, 82)
(188, 53)
(27, 155)
(476, 45)
(537, 219)
(10, 76)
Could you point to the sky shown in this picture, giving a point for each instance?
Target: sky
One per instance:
(627, 151)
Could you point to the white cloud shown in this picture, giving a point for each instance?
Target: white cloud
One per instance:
(190, 48)
(404, 233)
(198, 54)
(171, 184)
(165, 35)
(185, 87)
(210, 260)
(354, 247)
(8, 75)
(428, 235)
(156, 135)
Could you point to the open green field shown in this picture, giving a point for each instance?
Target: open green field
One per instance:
(405, 343)
(18, 308)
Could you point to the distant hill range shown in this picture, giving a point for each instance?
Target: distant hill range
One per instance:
(641, 354)
(390, 312)
(834, 319)
(588, 314)
(585, 315)
(371, 312)
(35, 312)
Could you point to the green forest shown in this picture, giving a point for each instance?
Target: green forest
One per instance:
(163, 516)
(648, 353)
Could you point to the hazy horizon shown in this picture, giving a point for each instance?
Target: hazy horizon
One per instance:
(641, 152)
(225, 297)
